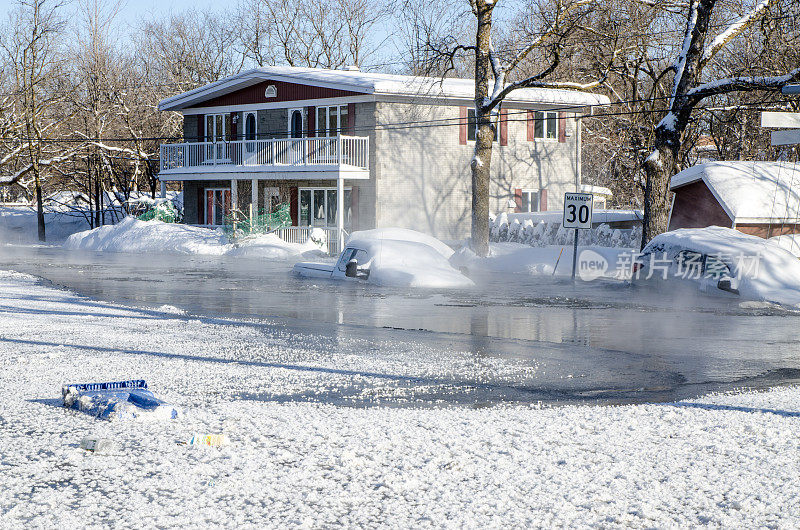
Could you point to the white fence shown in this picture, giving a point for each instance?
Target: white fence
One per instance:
(339, 151)
(300, 234)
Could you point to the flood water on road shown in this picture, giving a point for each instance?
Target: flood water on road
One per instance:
(600, 341)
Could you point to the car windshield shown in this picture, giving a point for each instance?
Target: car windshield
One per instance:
(350, 253)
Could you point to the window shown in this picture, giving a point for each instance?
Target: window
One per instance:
(545, 125)
(218, 127)
(530, 201)
(472, 125)
(351, 253)
(331, 120)
(298, 123)
(317, 207)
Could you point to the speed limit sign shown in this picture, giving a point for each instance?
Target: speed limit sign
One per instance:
(577, 210)
(577, 215)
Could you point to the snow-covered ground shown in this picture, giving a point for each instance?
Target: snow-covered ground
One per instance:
(18, 225)
(132, 235)
(724, 460)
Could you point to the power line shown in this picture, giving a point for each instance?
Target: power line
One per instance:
(438, 122)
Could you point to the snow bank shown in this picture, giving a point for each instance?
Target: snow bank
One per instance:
(766, 271)
(536, 261)
(790, 242)
(132, 235)
(19, 225)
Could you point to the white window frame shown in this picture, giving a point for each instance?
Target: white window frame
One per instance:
(495, 117)
(311, 205)
(546, 114)
(325, 127)
(244, 124)
(538, 193)
(213, 135)
(303, 119)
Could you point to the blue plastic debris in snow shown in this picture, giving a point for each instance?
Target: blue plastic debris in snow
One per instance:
(116, 399)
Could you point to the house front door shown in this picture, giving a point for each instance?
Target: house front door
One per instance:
(218, 205)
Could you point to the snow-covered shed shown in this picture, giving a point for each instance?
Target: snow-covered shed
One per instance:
(758, 198)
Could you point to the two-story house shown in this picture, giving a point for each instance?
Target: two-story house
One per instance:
(397, 147)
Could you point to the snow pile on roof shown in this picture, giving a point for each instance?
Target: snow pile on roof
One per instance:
(750, 191)
(132, 235)
(766, 271)
(379, 84)
(598, 190)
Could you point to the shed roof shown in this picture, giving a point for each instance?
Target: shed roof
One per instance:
(376, 84)
(749, 192)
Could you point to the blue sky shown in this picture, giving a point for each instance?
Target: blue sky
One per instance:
(133, 10)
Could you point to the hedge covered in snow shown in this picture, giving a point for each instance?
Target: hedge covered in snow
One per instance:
(543, 234)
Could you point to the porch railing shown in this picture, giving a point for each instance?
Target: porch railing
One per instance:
(337, 151)
(300, 234)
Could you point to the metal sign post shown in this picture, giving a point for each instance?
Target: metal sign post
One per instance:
(577, 215)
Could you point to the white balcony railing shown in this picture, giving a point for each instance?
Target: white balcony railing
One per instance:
(350, 151)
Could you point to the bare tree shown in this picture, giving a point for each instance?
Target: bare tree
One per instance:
(310, 33)
(689, 89)
(31, 44)
(539, 41)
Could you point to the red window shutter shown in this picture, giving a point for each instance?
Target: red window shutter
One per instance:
(462, 125)
(531, 125)
(503, 126)
(542, 200)
(351, 118)
(201, 124)
(209, 207)
(518, 200)
(562, 127)
(354, 208)
(294, 205)
(227, 209)
(312, 121)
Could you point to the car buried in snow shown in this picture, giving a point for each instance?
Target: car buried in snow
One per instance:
(720, 261)
(400, 258)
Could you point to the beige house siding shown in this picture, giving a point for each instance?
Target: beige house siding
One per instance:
(422, 174)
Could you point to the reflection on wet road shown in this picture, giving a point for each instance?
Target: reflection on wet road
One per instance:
(598, 341)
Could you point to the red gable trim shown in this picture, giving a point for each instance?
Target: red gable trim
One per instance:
(286, 92)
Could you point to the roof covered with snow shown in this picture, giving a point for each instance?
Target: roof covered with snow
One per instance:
(749, 192)
(376, 84)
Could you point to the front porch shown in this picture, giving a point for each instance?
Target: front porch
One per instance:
(313, 204)
(320, 155)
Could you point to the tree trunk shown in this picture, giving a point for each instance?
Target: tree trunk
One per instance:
(484, 134)
(40, 211)
(659, 169)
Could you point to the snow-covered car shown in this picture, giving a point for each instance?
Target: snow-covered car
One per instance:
(721, 261)
(391, 257)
